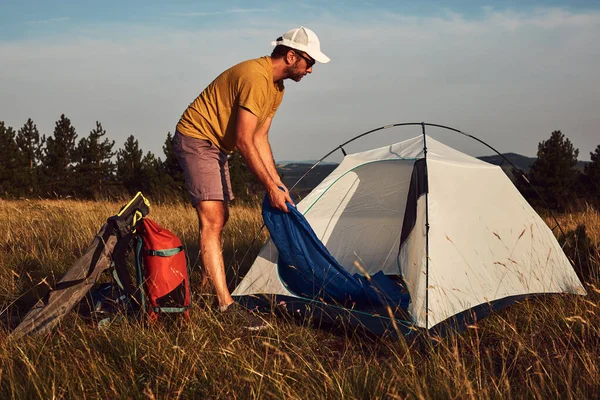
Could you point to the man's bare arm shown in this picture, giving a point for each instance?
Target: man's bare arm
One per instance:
(246, 144)
(261, 141)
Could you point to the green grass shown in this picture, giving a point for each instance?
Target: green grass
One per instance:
(543, 348)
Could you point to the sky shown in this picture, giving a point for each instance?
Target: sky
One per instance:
(507, 72)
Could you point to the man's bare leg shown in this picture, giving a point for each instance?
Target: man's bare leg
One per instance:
(213, 216)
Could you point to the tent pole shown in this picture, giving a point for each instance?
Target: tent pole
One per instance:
(423, 124)
(517, 170)
(426, 230)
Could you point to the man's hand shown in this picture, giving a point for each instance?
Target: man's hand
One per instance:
(282, 187)
(278, 196)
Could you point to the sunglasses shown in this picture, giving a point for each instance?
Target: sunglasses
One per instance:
(309, 61)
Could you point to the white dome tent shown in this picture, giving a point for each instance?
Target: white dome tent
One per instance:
(453, 227)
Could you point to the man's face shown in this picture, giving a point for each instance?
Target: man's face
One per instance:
(301, 66)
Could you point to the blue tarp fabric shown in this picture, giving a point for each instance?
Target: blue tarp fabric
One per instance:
(308, 270)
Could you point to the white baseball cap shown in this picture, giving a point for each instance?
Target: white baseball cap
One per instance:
(303, 39)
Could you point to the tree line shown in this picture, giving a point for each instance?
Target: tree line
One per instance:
(553, 181)
(61, 166)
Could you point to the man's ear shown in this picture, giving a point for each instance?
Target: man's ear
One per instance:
(289, 57)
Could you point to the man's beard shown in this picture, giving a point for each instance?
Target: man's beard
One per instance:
(294, 73)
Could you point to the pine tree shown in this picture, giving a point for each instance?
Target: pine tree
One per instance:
(244, 184)
(171, 164)
(95, 168)
(11, 163)
(151, 178)
(59, 158)
(592, 178)
(172, 179)
(31, 145)
(553, 173)
(129, 165)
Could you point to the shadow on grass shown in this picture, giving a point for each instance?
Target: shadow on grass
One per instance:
(583, 253)
(33, 280)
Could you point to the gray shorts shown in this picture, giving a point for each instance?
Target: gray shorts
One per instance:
(205, 168)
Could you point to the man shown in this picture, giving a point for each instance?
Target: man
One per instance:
(235, 111)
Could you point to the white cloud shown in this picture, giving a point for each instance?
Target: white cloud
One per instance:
(48, 21)
(509, 78)
(213, 13)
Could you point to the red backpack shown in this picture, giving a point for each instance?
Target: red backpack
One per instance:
(164, 275)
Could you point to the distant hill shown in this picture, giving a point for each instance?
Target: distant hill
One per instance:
(522, 162)
(311, 162)
(292, 171)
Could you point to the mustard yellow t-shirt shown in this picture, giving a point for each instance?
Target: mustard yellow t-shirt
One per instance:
(212, 116)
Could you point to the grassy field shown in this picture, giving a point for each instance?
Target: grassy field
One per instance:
(543, 348)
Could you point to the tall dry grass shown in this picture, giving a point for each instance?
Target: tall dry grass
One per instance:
(544, 348)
